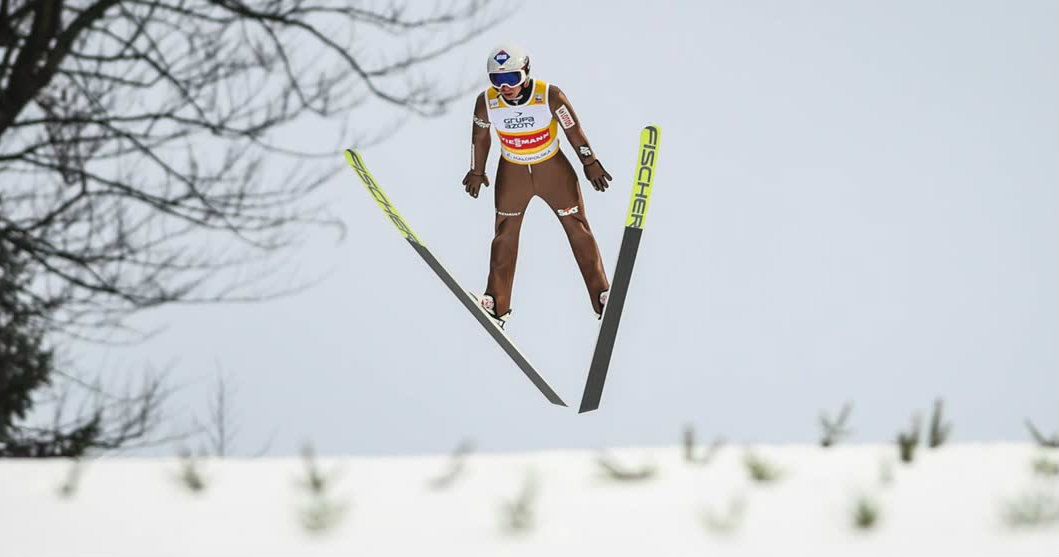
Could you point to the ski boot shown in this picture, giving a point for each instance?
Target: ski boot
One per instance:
(488, 304)
(603, 296)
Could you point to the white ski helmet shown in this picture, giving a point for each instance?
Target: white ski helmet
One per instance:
(507, 59)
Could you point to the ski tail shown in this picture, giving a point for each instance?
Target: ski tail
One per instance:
(357, 163)
(643, 186)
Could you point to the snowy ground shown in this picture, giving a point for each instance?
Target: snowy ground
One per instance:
(951, 501)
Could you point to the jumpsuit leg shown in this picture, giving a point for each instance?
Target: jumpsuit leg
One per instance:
(514, 190)
(556, 183)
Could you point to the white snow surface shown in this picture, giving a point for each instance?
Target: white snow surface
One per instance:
(949, 502)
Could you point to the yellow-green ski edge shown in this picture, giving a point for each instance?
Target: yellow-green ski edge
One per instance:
(643, 183)
(643, 187)
(356, 161)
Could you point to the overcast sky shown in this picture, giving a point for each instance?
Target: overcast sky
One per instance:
(855, 201)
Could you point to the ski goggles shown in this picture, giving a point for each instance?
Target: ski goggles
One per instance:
(508, 79)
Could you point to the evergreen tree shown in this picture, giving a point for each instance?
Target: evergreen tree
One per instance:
(26, 367)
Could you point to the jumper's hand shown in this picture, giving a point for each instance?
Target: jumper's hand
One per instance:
(473, 182)
(597, 175)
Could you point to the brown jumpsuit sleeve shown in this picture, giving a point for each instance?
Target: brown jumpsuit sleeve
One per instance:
(480, 139)
(575, 134)
(476, 178)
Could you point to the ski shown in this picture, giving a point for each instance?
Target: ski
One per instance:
(468, 300)
(630, 243)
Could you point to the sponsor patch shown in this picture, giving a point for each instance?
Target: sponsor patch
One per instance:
(494, 103)
(567, 212)
(585, 151)
(503, 214)
(501, 57)
(565, 118)
(523, 142)
(539, 98)
(519, 157)
(480, 123)
(518, 121)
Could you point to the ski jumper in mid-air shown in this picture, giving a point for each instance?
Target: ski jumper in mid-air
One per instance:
(527, 115)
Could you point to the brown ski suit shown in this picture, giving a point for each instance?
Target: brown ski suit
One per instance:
(552, 179)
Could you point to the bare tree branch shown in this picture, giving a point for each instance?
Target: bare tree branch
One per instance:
(135, 134)
(139, 141)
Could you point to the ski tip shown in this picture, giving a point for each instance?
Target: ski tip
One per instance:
(587, 409)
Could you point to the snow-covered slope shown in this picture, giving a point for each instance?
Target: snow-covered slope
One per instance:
(956, 500)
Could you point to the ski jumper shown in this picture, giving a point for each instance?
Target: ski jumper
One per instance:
(531, 164)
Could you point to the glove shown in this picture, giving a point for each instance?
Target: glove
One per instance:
(473, 182)
(597, 175)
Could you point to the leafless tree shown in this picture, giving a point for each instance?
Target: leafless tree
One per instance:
(221, 428)
(135, 134)
(136, 139)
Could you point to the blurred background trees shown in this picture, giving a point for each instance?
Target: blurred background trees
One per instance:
(134, 142)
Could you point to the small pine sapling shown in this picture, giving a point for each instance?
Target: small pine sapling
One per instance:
(190, 476)
(518, 515)
(1046, 442)
(712, 450)
(457, 464)
(73, 479)
(1046, 467)
(834, 430)
(866, 512)
(727, 522)
(761, 470)
(689, 443)
(622, 473)
(691, 448)
(886, 472)
(907, 441)
(322, 512)
(1032, 509)
(939, 429)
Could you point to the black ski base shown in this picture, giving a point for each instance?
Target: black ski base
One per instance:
(608, 332)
